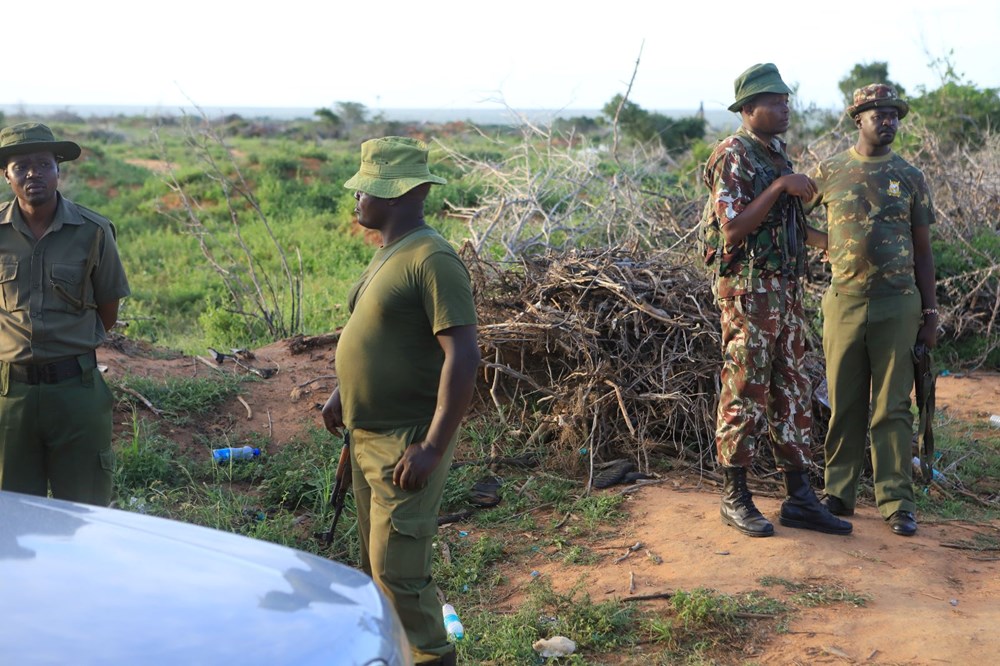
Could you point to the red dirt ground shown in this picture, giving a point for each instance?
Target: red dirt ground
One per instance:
(929, 604)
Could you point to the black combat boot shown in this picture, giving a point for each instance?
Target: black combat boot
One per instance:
(448, 659)
(803, 509)
(737, 505)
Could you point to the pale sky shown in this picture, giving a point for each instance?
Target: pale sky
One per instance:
(467, 55)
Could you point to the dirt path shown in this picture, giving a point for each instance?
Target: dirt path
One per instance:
(928, 604)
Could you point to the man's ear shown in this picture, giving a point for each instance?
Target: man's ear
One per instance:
(857, 121)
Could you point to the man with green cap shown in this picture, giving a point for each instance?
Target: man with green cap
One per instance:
(62, 282)
(880, 304)
(758, 254)
(406, 363)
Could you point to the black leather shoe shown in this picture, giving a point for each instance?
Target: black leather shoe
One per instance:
(836, 506)
(903, 523)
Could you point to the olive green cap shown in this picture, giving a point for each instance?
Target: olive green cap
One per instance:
(24, 138)
(391, 167)
(761, 78)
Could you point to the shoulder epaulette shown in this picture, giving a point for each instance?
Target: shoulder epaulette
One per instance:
(96, 218)
(91, 215)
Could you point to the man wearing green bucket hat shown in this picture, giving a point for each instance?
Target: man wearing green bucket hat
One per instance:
(62, 280)
(406, 363)
(755, 238)
(880, 304)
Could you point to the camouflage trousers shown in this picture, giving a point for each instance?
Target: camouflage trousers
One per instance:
(763, 379)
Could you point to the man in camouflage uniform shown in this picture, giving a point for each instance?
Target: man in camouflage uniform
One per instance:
(880, 303)
(62, 280)
(759, 260)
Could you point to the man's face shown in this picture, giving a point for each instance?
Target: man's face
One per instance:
(768, 114)
(878, 126)
(34, 178)
(371, 210)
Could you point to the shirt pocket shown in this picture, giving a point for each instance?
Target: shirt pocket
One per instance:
(68, 285)
(8, 285)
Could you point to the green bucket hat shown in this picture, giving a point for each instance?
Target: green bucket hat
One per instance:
(24, 138)
(877, 94)
(761, 78)
(391, 167)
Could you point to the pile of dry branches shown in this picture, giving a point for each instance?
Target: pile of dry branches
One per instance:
(616, 350)
(967, 202)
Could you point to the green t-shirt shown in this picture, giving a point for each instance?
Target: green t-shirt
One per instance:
(388, 358)
(872, 205)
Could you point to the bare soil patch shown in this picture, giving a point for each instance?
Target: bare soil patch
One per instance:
(156, 166)
(928, 603)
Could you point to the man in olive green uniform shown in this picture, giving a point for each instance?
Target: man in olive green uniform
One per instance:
(62, 281)
(759, 255)
(406, 363)
(881, 302)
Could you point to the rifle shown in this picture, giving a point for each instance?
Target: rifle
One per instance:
(924, 381)
(340, 486)
(796, 232)
(792, 227)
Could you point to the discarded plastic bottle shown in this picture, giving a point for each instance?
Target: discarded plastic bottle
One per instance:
(235, 453)
(995, 420)
(918, 470)
(452, 624)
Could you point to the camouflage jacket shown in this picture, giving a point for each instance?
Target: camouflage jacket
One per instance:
(872, 205)
(739, 169)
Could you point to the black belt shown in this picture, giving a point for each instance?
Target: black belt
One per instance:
(49, 373)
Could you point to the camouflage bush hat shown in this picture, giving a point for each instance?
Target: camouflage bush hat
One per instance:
(761, 78)
(391, 167)
(877, 94)
(24, 138)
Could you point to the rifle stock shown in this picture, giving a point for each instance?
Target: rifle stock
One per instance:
(340, 485)
(924, 389)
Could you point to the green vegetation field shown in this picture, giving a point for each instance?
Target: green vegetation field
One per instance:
(237, 232)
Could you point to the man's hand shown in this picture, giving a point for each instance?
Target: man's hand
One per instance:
(927, 334)
(798, 185)
(415, 467)
(333, 413)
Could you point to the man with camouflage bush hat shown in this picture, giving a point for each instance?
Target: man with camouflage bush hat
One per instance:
(754, 237)
(62, 282)
(406, 364)
(880, 304)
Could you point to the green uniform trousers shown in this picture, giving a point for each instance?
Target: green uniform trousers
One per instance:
(397, 529)
(868, 344)
(57, 435)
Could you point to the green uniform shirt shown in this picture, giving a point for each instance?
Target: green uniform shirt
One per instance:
(51, 286)
(872, 205)
(388, 358)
